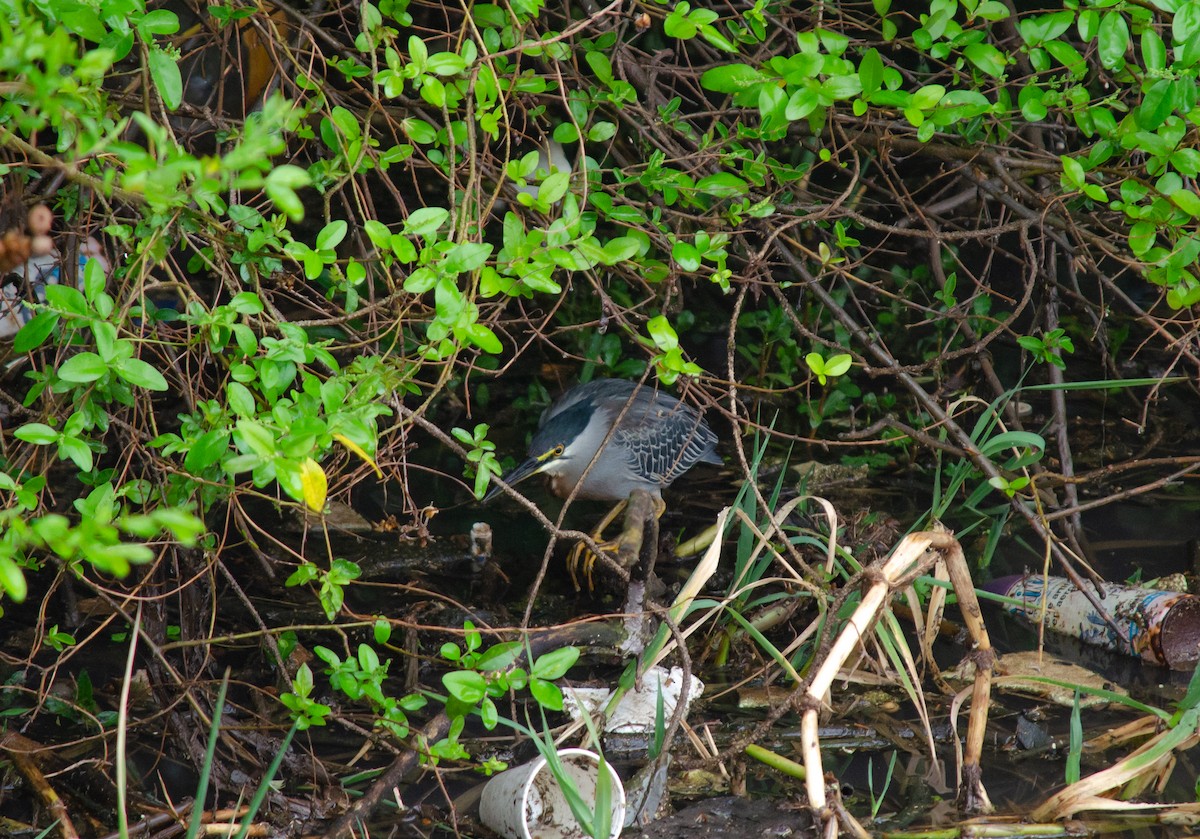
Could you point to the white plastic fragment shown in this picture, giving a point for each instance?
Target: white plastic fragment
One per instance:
(42, 269)
(526, 801)
(635, 712)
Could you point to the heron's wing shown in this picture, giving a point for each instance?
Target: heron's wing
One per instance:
(664, 438)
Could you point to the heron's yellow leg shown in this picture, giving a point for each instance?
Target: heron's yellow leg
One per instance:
(624, 548)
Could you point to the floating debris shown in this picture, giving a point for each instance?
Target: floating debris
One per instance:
(635, 712)
(1160, 626)
(526, 801)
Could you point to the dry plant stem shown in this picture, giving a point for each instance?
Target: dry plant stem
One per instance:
(916, 552)
(121, 768)
(231, 830)
(160, 821)
(1133, 492)
(639, 518)
(1058, 403)
(734, 414)
(981, 461)
(1089, 793)
(19, 749)
(685, 686)
(407, 761)
(973, 796)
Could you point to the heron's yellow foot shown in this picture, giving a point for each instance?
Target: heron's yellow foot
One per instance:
(624, 549)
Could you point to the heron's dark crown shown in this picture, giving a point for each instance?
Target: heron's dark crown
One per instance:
(562, 428)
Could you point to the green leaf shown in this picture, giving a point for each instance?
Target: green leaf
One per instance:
(484, 338)
(715, 37)
(1012, 440)
(83, 367)
(1186, 23)
(207, 450)
(1154, 51)
(927, 97)
(600, 65)
(378, 233)
(621, 249)
(554, 187)
(425, 221)
(1112, 40)
(870, 71)
(418, 53)
(256, 438)
(723, 185)
(93, 280)
(732, 78)
(1073, 172)
(465, 685)
(838, 364)
(37, 433)
(382, 631)
(281, 185)
(331, 235)
(489, 715)
(686, 255)
(555, 664)
(1089, 22)
(158, 22)
(35, 333)
(467, 256)
(446, 64)
(678, 25)
(246, 303)
(662, 333)
(164, 71)
(1030, 100)
(1187, 201)
(138, 372)
(801, 103)
(1067, 56)
(67, 298)
(546, 694)
(1157, 104)
(12, 579)
(82, 20)
(420, 281)
(565, 132)
(601, 131)
(77, 451)
(501, 656)
(419, 131)
(987, 58)
(992, 10)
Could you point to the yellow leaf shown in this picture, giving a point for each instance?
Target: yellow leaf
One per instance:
(314, 484)
(358, 450)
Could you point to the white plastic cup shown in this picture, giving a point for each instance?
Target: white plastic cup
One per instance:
(526, 802)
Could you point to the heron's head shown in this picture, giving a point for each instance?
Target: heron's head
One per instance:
(557, 444)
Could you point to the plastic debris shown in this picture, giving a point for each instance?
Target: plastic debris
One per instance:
(635, 712)
(526, 801)
(33, 263)
(1159, 626)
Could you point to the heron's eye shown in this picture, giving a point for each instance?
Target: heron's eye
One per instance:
(558, 450)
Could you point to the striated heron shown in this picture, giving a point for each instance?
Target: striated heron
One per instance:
(606, 438)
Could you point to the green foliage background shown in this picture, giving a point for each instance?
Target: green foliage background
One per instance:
(323, 221)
